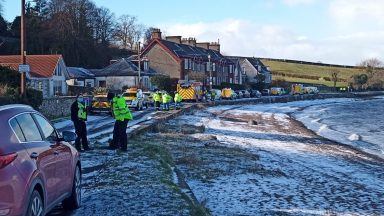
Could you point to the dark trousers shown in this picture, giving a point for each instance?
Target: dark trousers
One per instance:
(157, 103)
(120, 139)
(81, 132)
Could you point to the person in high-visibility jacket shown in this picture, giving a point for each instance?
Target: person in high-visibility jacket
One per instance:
(122, 115)
(166, 100)
(178, 98)
(79, 117)
(157, 99)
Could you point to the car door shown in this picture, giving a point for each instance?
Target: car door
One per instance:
(62, 152)
(41, 154)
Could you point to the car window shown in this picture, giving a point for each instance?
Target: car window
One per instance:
(47, 129)
(29, 128)
(100, 99)
(16, 128)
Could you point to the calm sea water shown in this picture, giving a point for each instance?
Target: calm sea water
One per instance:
(359, 122)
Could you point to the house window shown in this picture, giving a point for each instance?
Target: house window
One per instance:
(146, 66)
(57, 87)
(146, 82)
(185, 63)
(230, 68)
(40, 86)
(58, 71)
(230, 80)
(102, 83)
(213, 67)
(88, 83)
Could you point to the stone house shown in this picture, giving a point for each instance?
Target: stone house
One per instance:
(123, 72)
(250, 67)
(184, 58)
(48, 73)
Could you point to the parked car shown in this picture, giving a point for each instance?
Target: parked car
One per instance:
(217, 94)
(148, 99)
(265, 92)
(239, 94)
(255, 93)
(38, 167)
(246, 94)
(233, 95)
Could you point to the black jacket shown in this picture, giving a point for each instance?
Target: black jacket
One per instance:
(74, 111)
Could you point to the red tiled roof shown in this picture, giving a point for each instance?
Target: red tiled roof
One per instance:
(42, 66)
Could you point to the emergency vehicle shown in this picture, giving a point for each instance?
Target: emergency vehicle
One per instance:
(100, 104)
(228, 93)
(190, 90)
(277, 91)
(134, 98)
(297, 89)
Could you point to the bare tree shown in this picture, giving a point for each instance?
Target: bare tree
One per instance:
(128, 31)
(334, 77)
(373, 68)
(103, 24)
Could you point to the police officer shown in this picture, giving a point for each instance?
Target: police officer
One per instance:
(122, 115)
(157, 99)
(79, 117)
(178, 100)
(166, 99)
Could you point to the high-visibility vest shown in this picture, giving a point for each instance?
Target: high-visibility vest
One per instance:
(156, 97)
(120, 110)
(82, 113)
(178, 97)
(165, 98)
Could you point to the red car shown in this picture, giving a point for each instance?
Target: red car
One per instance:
(39, 169)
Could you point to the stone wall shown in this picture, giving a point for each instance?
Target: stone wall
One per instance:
(57, 107)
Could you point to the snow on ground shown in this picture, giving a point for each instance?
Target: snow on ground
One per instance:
(295, 171)
(233, 160)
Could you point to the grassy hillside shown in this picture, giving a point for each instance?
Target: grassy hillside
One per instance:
(305, 73)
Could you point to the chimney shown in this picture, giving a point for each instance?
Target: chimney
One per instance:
(203, 45)
(175, 39)
(189, 41)
(214, 46)
(156, 34)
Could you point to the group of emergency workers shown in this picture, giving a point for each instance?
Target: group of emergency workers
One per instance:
(162, 97)
(121, 114)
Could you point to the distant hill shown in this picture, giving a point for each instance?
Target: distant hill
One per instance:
(309, 72)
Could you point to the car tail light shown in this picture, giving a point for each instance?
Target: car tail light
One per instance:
(7, 159)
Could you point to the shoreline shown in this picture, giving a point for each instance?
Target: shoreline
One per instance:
(327, 141)
(287, 168)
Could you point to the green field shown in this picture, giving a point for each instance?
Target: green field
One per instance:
(305, 73)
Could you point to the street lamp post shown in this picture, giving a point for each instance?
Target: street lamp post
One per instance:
(210, 72)
(23, 52)
(139, 64)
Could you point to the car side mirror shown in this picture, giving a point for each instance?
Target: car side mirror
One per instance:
(69, 136)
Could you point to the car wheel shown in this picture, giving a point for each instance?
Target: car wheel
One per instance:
(73, 202)
(36, 205)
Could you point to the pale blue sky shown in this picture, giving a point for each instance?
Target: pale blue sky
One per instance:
(334, 31)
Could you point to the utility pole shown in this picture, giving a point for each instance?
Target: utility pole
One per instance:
(210, 72)
(23, 47)
(138, 58)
